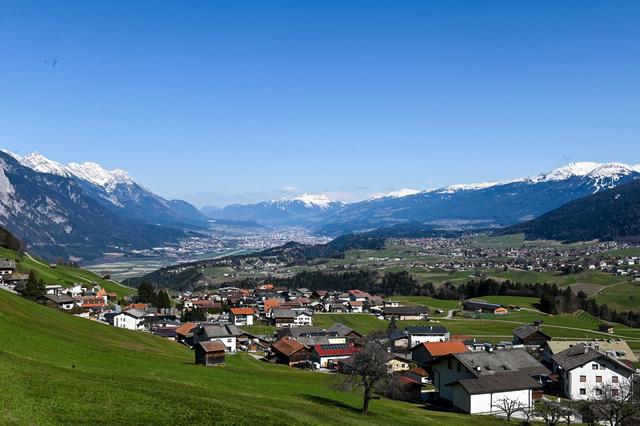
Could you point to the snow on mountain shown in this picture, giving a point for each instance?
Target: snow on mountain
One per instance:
(97, 175)
(12, 154)
(397, 194)
(566, 172)
(39, 163)
(319, 200)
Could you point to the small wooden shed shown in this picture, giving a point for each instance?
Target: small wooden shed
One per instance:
(210, 353)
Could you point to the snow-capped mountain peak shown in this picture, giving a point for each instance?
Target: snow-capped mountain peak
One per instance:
(566, 172)
(96, 174)
(12, 154)
(318, 200)
(42, 164)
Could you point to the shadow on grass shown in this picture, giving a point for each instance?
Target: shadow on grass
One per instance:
(331, 402)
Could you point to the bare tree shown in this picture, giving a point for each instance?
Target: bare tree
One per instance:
(550, 412)
(369, 370)
(528, 412)
(509, 406)
(616, 405)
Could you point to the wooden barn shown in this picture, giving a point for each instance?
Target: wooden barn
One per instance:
(210, 353)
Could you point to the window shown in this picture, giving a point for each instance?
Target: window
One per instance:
(449, 365)
(594, 366)
(603, 367)
(598, 379)
(458, 366)
(583, 379)
(615, 392)
(599, 392)
(583, 391)
(614, 379)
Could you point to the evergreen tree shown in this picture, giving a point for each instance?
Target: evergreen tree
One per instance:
(147, 293)
(164, 302)
(34, 287)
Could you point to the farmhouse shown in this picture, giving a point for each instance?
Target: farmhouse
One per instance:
(225, 333)
(351, 335)
(484, 307)
(210, 353)
(405, 313)
(584, 372)
(428, 333)
(475, 382)
(530, 335)
(395, 363)
(290, 352)
(131, 319)
(242, 316)
(428, 352)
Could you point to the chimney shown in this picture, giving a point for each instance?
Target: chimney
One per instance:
(586, 350)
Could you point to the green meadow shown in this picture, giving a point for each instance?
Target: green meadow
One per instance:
(59, 369)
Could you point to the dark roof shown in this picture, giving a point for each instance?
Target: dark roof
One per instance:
(405, 310)
(527, 330)
(581, 354)
(398, 334)
(472, 304)
(501, 382)
(288, 313)
(342, 330)
(491, 363)
(214, 346)
(296, 332)
(136, 313)
(59, 299)
(224, 330)
(427, 329)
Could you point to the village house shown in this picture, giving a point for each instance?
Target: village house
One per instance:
(291, 318)
(616, 347)
(242, 316)
(61, 301)
(7, 267)
(428, 352)
(210, 353)
(394, 363)
(406, 313)
(53, 289)
(530, 335)
(226, 333)
(131, 319)
(290, 352)
(474, 382)
(584, 372)
(329, 354)
(426, 333)
(184, 333)
(356, 307)
(350, 334)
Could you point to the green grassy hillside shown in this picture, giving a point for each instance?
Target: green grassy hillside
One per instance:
(62, 275)
(123, 377)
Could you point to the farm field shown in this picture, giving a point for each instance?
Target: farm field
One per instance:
(62, 275)
(50, 359)
(624, 296)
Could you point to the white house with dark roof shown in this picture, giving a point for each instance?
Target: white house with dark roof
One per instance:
(476, 382)
(131, 319)
(585, 372)
(427, 333)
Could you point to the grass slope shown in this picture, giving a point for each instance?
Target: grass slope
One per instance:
(62, 275)
(123, 377)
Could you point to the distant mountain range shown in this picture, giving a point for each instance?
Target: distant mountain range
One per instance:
(82, 210)
(306, 210)
(456, 207)
(607, 215)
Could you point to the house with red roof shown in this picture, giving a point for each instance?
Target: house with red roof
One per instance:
(427, 352)
(290, 352)
(242, 316)
(328, 355)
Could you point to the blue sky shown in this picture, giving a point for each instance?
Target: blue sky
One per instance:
(224, 101)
